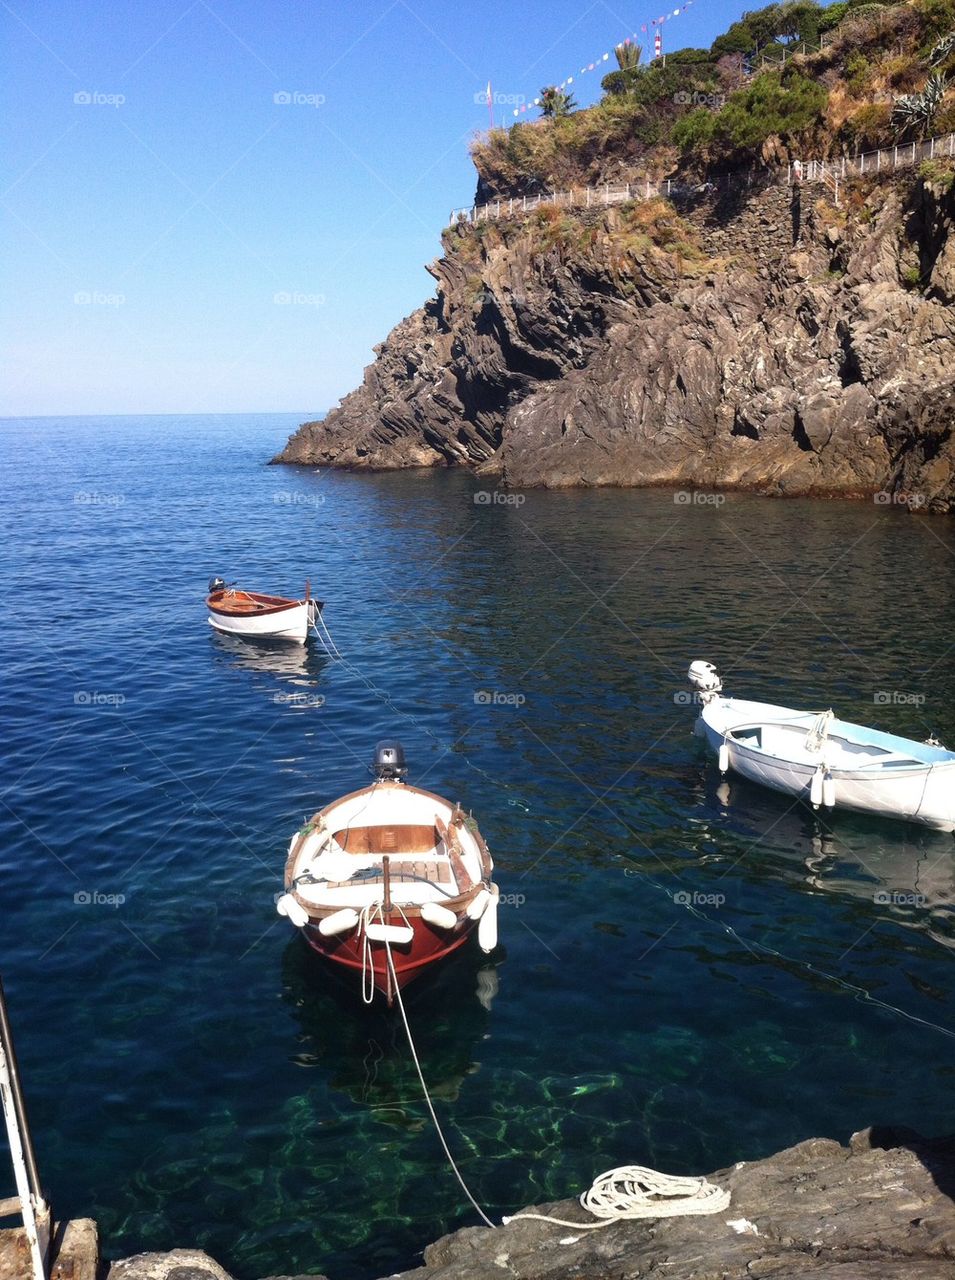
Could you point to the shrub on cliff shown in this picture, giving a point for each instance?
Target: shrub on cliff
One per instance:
(786, 104)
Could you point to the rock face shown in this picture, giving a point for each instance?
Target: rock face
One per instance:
(879, 1209)
(178, 1264)
(774, 342)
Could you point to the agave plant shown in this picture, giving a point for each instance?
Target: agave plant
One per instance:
(917, 111)
(943, 50)
(554, 102)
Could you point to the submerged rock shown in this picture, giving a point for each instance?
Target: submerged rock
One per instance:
(775, 343)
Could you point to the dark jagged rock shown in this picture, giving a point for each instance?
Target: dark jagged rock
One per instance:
(781, 345)
(879, 1209)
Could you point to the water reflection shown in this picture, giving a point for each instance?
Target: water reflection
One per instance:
(903, 870)
(362, 1050)
(297, 663)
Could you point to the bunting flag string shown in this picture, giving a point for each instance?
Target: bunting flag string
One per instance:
(598, 63)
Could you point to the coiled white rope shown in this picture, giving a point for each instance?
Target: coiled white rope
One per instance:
(635, 1192)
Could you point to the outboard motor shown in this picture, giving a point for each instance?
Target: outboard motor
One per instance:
(389, 763)
(705, 677)
(216, 584)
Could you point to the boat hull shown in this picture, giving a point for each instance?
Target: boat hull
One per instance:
(923, 793)
(428, 946)
(290, 624)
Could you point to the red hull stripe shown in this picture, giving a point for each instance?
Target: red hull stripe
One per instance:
(426, 948)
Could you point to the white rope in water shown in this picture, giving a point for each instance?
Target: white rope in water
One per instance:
(635, 1192)
(424, 1090)
(325, 636)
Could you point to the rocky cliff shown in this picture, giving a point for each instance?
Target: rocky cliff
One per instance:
(767, 339)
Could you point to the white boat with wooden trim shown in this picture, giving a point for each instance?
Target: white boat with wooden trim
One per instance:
(257, 616)
(827, 761)
(390, 867)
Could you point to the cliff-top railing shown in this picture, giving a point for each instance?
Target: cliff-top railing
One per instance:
(830, 172)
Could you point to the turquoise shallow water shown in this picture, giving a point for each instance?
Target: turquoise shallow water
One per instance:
(690, 974)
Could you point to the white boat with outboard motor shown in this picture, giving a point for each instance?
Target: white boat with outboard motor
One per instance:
(827, 761)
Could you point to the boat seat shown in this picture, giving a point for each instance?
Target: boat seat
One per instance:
(436, 872)
(410, 838)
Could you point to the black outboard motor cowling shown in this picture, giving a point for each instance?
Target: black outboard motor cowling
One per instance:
(389, 763)
(216, 584)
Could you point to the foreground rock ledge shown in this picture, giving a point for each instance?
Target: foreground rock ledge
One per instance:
(880, 1209)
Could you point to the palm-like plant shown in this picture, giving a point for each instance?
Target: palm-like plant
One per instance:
(628, 55)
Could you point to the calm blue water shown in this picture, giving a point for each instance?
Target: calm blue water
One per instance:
(695, 975)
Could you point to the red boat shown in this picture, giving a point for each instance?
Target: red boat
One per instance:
(390, 871)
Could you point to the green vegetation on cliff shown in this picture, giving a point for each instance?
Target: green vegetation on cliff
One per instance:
(786, 80)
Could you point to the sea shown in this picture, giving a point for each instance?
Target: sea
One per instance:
(691, 971)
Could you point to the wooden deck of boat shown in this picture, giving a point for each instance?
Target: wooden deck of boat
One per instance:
(74, 1252)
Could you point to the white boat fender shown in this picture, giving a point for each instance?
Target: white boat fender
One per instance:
(338, 922)
(829, 790)
(815, 789)
(724, 761)
(287, 906)
(487, 926)
(475, 908)
(439, 916)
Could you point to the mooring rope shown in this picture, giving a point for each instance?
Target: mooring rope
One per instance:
(628, 1192)
(424, 1090)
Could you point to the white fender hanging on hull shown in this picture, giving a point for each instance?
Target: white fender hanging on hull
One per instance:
(724, 758)
(475, 908)
(829, 790)
(815, 789)
(439, 916)
(294, 911)
(487, 926)
(338, 922)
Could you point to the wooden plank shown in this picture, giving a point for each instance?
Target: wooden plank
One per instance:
(453, 845)
(9, 1207)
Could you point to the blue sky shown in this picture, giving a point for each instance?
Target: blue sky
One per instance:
(158, 199)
